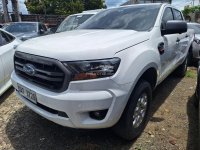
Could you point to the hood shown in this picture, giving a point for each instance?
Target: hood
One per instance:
(83, 44)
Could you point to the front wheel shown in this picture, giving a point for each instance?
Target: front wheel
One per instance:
(136, 113)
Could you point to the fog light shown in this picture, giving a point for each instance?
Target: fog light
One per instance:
(98, 115)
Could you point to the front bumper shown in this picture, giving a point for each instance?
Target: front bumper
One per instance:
(81, 98)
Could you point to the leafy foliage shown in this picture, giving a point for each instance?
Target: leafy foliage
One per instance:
(189, 10)
(93, 4)
(62, 7)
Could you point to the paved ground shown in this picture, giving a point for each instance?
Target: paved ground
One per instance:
(174, 125)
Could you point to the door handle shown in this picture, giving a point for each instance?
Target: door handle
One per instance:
(161, 48)
(15, 46)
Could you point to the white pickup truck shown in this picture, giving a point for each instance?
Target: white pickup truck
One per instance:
(102, 74)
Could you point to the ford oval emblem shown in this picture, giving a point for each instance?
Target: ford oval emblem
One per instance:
(29, 69)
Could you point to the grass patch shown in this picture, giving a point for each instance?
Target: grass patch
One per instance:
(191, 74)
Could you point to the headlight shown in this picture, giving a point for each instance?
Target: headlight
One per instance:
(84, 70)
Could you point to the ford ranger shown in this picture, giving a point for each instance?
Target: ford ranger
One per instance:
(102, 74)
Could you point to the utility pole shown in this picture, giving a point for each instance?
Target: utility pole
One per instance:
(15, 7)
(5, 11)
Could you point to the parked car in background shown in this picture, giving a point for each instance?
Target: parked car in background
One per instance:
(194, 54)
(26, 30)
(197, 93)
(102, 74)
(5, 25)
(7, 45)
(75, 20)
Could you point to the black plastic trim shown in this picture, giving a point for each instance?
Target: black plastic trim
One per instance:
(44, 61)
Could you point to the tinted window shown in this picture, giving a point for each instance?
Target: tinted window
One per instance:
(168, 15)
(5, 38)
(177, 15)
(21, 27)
(11, 38)
(139, 18)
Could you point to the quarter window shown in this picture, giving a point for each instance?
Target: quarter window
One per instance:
(5, 38)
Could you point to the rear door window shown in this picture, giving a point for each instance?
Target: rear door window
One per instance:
(177, 15)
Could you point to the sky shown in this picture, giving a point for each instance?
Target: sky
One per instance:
(113, 3)
(181, 3)
(22, 7)
(177, 3)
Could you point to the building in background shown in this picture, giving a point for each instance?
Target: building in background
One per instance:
(146, 1)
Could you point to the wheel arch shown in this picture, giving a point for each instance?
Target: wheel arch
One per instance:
(149, 74)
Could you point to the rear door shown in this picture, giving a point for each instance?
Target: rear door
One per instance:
(182, 40)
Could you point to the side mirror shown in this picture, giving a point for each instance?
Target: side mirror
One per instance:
(175, 27)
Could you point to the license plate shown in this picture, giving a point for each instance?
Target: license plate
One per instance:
(27, 93)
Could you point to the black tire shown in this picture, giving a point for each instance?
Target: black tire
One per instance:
(197, 92)
(125, 127)
(190, 58)
(182, 69)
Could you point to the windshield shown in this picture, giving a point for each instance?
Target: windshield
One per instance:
(195, 27)
(72, 22)
(21, 27)
(139, 18)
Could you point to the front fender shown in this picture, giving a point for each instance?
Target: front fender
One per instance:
(134, 63)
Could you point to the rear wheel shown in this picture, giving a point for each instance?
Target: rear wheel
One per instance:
(136, 113)
(197, 93)
(182, 69)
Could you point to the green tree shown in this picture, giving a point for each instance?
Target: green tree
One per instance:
(62, 7)
(93, 4)
(58, 7)
(187, 10)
